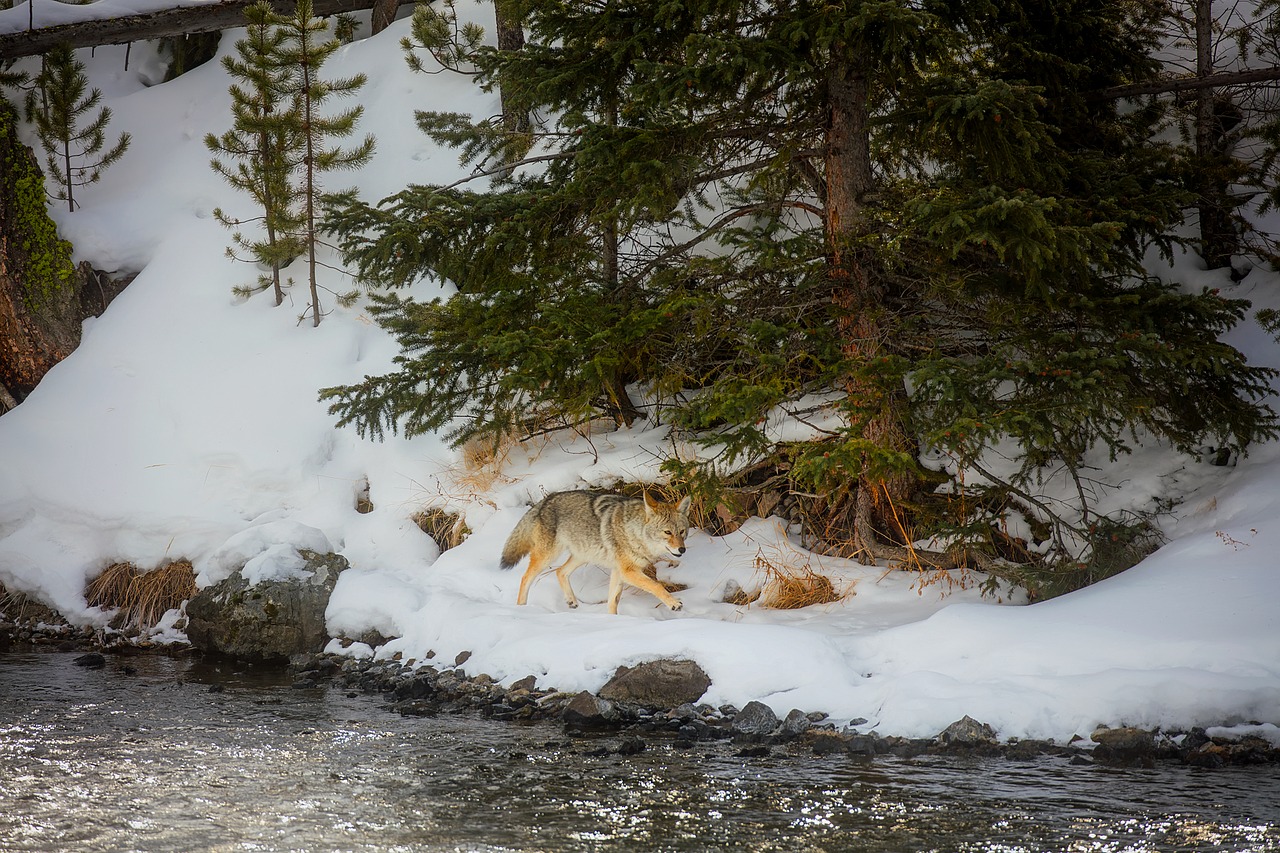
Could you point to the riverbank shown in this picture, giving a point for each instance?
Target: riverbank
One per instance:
(626, 727)
(170, 754)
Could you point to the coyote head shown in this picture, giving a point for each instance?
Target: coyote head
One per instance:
(665, 526)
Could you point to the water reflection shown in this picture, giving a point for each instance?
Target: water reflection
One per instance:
(182, 757)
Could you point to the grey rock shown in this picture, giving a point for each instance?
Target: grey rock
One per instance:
(588, 711)
(663, 684)
(967, 732)
(756, 718)
(271, 621)
(795, 724)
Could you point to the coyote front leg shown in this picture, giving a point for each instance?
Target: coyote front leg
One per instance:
(634, 575)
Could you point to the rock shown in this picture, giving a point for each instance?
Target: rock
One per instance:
(687, 711)
(795, 724)
(828, 743)
(1209, 755)
(93, 660)
(631, 746)
(588, 711)
(269, 622)
(863, 745)
(756, 718)
(1124, 745)
(528, 683)
(967, 732)
(1125, 739)
(663, 684)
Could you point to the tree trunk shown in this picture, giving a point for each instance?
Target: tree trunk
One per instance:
(384, 12)
(309, 176)
(510, 39)
(1219, 237)
(32, 339)
(874, 515)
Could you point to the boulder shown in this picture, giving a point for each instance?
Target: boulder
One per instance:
(1125, 745)
(269, 621)
(967, 732)
(756, 718)
(664, 684)
(796, 723)
(587, 711)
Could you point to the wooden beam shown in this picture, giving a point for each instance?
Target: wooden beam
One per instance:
(151, 25)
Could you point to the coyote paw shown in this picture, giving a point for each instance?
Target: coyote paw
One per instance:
(677, 606)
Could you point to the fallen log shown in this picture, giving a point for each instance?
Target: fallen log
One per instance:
(158, 24)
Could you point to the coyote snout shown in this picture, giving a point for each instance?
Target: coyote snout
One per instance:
(625, 535)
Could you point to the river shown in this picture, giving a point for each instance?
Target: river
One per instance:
(153, 753)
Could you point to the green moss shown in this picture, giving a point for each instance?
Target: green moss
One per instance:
(49, 270)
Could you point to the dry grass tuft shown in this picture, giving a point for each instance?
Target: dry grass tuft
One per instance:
(141, 597)
(448, 529)
(21, 608)
(790, 586)
(483, 459)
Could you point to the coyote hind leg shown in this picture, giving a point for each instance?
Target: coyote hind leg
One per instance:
(538, 562)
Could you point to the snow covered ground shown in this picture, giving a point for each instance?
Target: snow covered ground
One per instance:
(187, 426)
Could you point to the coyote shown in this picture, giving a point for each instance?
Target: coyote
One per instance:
(625, 535)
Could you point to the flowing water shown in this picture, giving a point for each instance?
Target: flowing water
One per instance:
(157, 754)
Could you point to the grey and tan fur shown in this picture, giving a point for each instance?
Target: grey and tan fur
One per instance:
(625, 535)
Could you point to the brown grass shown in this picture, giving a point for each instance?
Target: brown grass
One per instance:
(141, 597)
(19, 607)
(483, 459)
(789, 585)
(448, 529)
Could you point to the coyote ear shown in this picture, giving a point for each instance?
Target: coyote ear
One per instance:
(683, 506)
(649, 503)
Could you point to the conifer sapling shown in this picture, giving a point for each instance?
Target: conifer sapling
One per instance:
(75, 153)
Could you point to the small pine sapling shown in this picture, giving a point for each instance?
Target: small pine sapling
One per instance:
(75, 153)
(303, 52)
(344, 27)
(260, 140)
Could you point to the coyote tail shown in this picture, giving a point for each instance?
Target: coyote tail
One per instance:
(520, 542)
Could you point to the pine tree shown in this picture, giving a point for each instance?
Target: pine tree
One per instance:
(74, 153)
(918, 210)
(260, 141)
(303, 52)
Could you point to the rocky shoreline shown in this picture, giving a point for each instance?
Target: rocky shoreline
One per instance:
(754, 730)
(651, 703)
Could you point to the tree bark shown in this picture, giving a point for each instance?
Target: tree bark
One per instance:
(31, 341)
(510, 39)
(1219, 238)
(384, 12)
(165, 22)
(860, 295)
